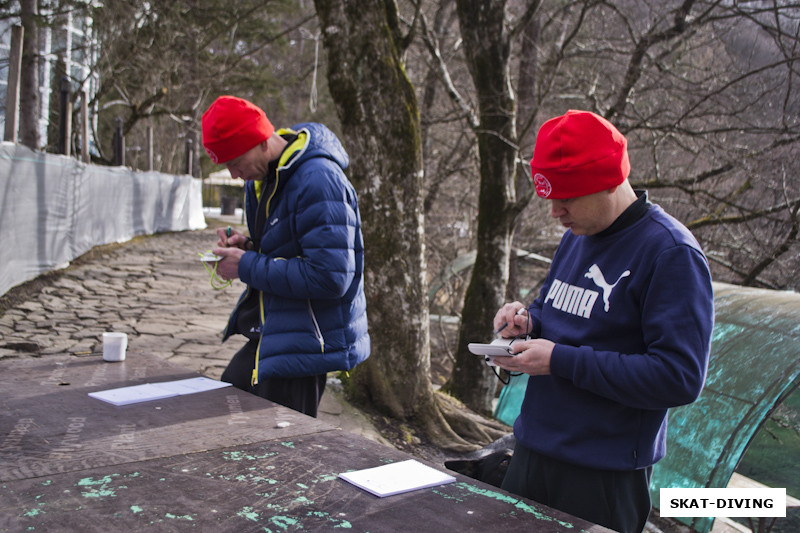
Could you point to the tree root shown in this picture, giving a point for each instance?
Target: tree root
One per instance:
(469, 424)
(453, 427)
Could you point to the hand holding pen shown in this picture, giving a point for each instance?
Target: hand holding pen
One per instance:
(230, 238)
(230, 247)
(506, 320)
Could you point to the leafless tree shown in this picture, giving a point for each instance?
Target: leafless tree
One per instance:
(162, 62)
(378, 109)
(705, 91)
(29, 101)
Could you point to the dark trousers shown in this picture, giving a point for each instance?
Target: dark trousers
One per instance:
(301, 394)
(619, 500)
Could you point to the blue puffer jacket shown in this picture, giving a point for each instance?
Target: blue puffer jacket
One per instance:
(308, 269)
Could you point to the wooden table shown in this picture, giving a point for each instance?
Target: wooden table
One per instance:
(212, 461)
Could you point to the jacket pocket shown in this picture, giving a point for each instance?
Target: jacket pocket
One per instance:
(317, 331)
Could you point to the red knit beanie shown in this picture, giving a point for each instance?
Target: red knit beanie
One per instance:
(576, 154)
(232, 126)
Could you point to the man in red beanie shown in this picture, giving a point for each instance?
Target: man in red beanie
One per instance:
(303, 311)
(619, 333)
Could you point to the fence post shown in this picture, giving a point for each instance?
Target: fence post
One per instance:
(189, 154)
(119, 143)
(85, 157)
(12, 91)
(65, 122)
(149, 149)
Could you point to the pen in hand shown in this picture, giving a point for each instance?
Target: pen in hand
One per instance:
(505, 324)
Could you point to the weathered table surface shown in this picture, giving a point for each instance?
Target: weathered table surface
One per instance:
(211, 461)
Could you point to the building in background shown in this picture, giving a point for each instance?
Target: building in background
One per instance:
(67, 50)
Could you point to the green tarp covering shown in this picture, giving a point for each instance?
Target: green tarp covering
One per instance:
(510, 400)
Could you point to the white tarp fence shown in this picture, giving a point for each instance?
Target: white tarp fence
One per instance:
(55, 208)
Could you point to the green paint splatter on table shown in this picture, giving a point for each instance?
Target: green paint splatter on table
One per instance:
(325, 477)
(302, 500)
(284, 522)
(240, 455)
(512, 500)
(97, 488)
(339, 522)
(248, 513)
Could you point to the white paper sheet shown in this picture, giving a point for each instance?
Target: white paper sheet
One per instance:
(157, 391)
(396, 478)
(192, 385)
(133, 394)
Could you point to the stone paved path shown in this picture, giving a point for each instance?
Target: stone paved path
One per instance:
(157, 291)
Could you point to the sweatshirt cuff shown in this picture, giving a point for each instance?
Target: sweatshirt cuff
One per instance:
(564, 360)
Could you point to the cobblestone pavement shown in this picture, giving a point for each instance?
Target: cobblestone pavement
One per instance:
(156, 290)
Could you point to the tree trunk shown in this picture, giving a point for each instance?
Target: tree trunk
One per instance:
(527, 107)
(29, 101)
(381, 129)
(487, 45)
(378, 109)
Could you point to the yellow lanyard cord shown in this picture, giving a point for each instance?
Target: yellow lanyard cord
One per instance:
(217, 283)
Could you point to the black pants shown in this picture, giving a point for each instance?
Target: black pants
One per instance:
(619, 500)
(301, 394)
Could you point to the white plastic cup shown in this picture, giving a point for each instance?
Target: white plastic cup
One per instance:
(114, 346)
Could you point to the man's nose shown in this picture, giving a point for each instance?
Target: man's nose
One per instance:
(556, 209)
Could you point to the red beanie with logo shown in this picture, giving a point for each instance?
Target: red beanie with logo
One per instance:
(576, 154)
(232, 126)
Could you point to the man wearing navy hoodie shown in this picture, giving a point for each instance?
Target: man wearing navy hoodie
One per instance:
(303, 311)
(620, 332)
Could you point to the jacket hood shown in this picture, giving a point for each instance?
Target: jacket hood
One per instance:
(321, 142)
(314, 141)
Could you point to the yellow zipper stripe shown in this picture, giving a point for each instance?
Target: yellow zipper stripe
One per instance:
(298, 145)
